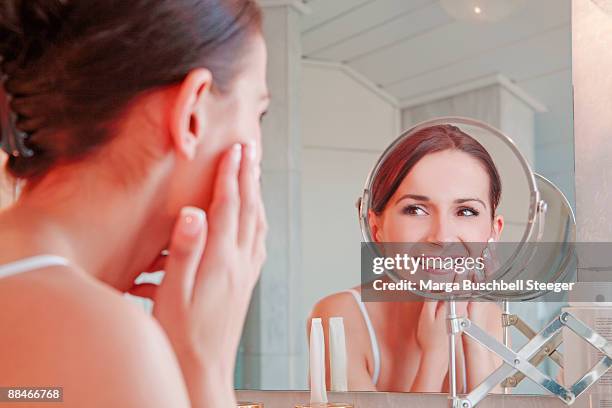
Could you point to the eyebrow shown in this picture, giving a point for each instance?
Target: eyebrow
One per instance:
(418, 197)
(266, 97)
(465, 200)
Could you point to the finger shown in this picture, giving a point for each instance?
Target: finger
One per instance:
(144, 290)
(248, 198)
(186, 248)
(259, 242)
(473, 276)
(441, 309)
(429, 309)
(457, 277)
(225, 205)
(492, 267)
(490, 260)
(158, 264)
(461, 308)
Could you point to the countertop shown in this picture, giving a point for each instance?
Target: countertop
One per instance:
(288, 399)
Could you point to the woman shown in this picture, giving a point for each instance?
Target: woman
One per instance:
(124, 120)
(438, 186)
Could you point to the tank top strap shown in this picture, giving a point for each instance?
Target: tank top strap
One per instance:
(32, 263)
(371, 332)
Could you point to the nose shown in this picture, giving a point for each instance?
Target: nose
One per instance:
(441, 230)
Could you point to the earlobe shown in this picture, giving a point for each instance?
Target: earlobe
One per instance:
(187, 121)
(498, 226)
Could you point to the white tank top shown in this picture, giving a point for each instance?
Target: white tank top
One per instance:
(32, 263)
(372, 333)
(374, 340)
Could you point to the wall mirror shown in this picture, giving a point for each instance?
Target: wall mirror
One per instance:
(370, 71)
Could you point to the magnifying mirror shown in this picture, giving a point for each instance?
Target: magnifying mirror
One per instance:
(459, 183)
(553, 255)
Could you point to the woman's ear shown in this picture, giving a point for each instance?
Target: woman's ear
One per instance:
(188, 119)
(498, 226)
(373, 221)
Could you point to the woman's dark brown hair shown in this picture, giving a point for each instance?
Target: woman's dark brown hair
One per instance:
(426, 141)
(71, 67)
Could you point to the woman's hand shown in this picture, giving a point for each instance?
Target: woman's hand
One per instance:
(480, 362)
(432, 337)
(432, 329)
(211, 270)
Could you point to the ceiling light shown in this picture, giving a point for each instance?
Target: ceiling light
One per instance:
(484, 10)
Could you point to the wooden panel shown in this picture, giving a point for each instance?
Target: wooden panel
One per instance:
(459, 41)
(358, 19)
(326, 10)
(401, 27)
(516, 61)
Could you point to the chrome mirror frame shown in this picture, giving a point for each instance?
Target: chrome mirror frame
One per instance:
(536, 206)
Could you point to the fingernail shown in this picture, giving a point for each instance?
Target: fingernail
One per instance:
(192, 221)
(236, 153)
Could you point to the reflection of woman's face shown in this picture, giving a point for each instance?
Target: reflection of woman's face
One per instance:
(444, 198)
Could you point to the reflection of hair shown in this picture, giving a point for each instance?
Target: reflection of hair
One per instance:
(426, 141)
(75, 66)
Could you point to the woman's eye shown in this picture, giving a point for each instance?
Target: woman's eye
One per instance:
(468, 212)
(261, 117)
(414, 210)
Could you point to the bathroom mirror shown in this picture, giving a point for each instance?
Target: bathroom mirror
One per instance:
(363, 73)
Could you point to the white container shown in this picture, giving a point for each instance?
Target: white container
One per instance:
(337, 355)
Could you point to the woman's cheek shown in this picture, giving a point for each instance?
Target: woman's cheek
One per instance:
(475, 231)
(406, 229)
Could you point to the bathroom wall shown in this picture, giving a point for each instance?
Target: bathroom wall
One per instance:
(346, 124)
(554, 129)
(592, 64)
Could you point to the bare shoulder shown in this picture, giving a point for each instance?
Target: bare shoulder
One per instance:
(63, 329)
(341, 304)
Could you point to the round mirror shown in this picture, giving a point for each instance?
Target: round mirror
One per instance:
(452, 189)
(552, 255)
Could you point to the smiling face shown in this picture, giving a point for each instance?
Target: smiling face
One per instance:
(443, 198)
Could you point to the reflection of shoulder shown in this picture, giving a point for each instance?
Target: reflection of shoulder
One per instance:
(73, 331)
(341, 304)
